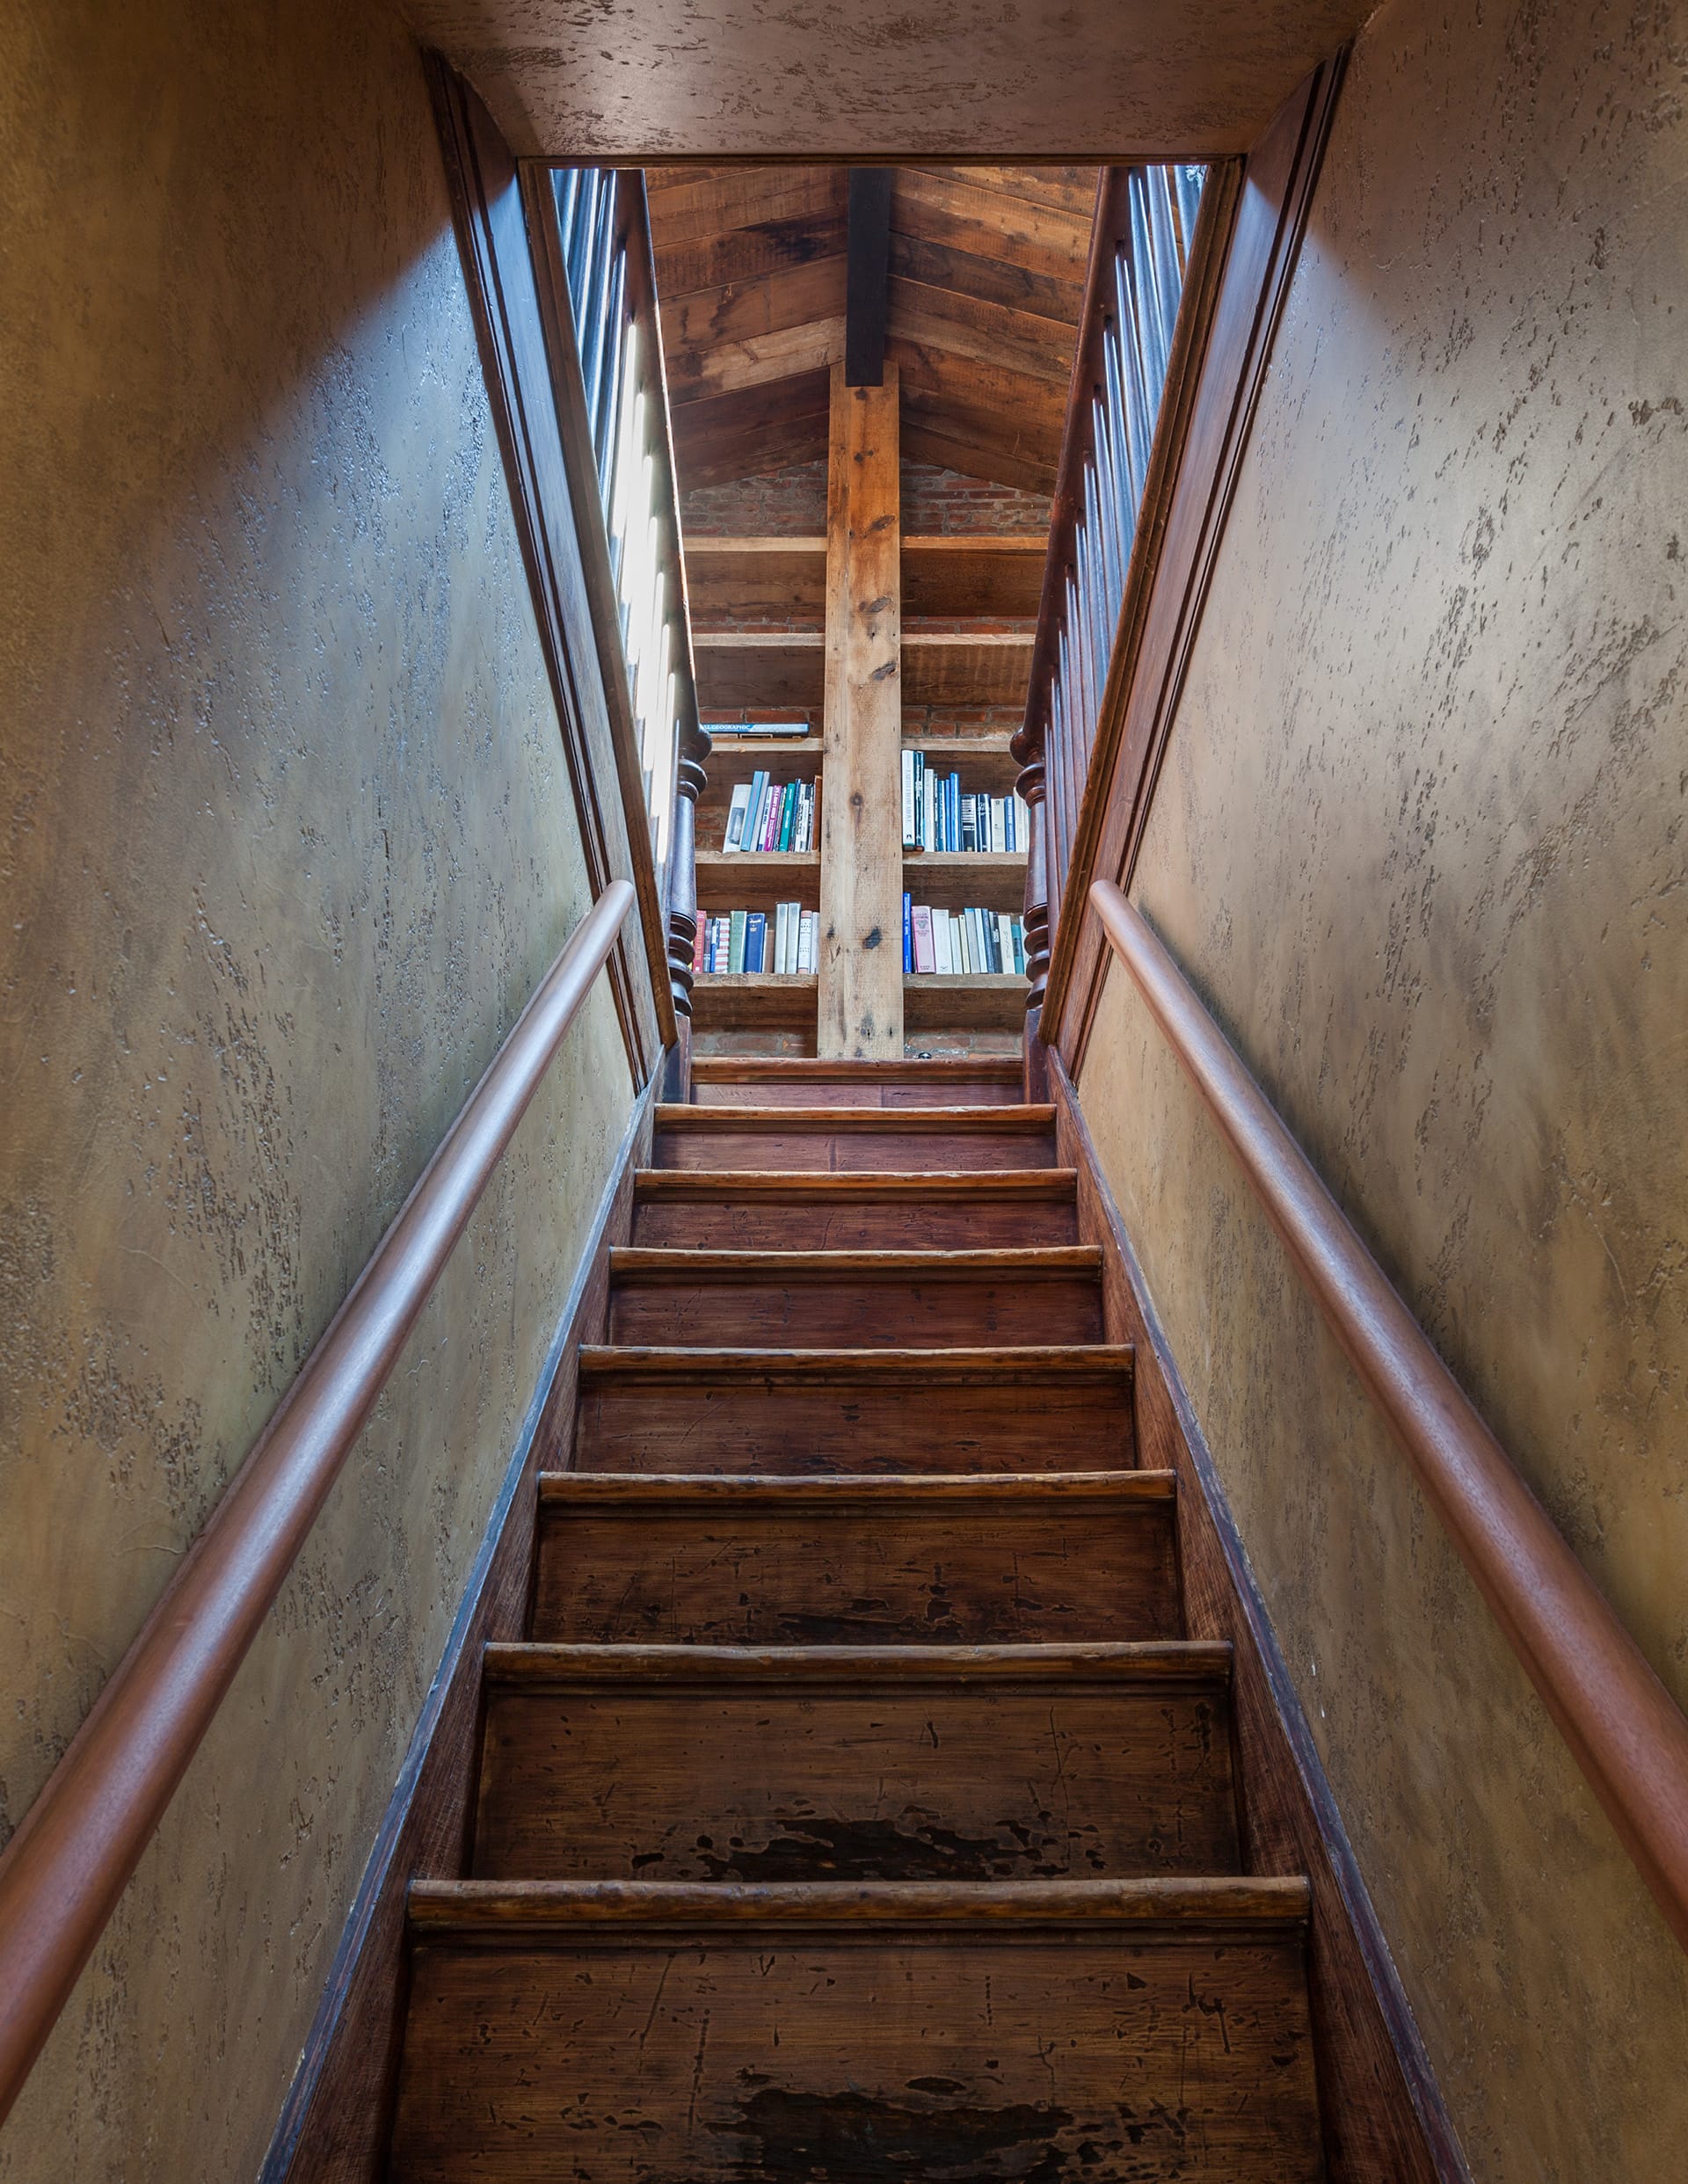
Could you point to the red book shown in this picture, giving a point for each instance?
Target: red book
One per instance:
(700, 943)
(925, 954)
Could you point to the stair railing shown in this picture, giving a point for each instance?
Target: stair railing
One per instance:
(62, 1871)
(1624, 1729)
(1140, 249)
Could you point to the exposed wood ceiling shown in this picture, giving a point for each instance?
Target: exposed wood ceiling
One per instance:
(630, 81)
(986, 273)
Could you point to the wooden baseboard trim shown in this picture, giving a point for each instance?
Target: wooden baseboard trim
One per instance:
(1382, 2109)
(335, 2122)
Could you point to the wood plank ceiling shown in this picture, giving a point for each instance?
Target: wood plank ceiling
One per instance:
(986, 273)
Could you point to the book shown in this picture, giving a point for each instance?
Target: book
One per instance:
(911, 760)
(943, 960)
(700, 945)
(736, 941)
(735, 815)
(788, 814)
(756, 940)
(924, 959)
(753, 809)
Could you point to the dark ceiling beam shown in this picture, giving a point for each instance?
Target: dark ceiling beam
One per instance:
(868, 277)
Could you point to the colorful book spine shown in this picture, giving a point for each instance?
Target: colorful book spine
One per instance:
(908, 932)
(924, 958)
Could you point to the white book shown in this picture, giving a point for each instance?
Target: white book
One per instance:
(806, 940)
(940, 943)
(782, 937)
(908, 799)
(976, 944)
(737, 813)
(793, 936)
(928, 811)
(1005, 940)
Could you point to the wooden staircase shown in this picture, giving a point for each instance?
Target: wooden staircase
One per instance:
(857, 1812)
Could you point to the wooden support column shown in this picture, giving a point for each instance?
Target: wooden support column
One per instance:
(861, 1005)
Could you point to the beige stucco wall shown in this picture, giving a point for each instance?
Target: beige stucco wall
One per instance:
(1421, 842)
(287, 838)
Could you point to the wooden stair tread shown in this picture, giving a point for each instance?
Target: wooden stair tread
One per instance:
(631, 1263)
(797, 1667)
(519, 1908)
(805, 1490)
(742, 1069)
(657, 1185)
(900, 1121)
(1097, 1363)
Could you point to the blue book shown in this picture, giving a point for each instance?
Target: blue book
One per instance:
(757, 813)
(908, 933)
(755, 939)
(955, 811)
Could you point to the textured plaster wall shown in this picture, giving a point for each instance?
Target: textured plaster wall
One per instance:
(287, 838)
(1421, 842)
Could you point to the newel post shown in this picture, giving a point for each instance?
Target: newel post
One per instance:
(690, 781)
(1030, 788)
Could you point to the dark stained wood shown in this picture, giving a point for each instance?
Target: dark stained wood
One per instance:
(797, 295)
(985, 577)
(689, 207)
(826, 1561)
(840, 1140)
(765, 1000)
(767, 1080)
(739, 2043)
(744, 578)
(990, 279)
(868, 277)
(337, 2119)
(978, 1001)
(1383, 2111)
(842, 1299)
(738, 255)
(965, 668)
(854, 1411)
(970, 214)
(845, 1762)
(739, 668)
(854, 1212)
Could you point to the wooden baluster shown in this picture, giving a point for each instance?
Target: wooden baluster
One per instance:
(690, 781)
(1031, 786)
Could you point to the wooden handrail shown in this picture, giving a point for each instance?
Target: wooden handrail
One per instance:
(1624, 1729)
(62, 1871)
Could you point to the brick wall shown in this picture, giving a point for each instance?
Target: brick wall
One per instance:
(939, 503)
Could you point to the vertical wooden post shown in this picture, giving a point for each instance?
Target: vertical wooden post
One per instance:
(690, 780)
(860, 1004)
(1032, 788)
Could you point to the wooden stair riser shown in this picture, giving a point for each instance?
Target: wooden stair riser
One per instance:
(840, 1213)
(938, 1306)
(751, 1080)
(831, 1091)
(1078, 2055)
(927, 1778)
(839, 1142)
(739, 1418)
(950, 1572)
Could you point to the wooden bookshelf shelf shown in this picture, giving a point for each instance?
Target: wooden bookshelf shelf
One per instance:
(985, 762)
(767, 667)
(965, 881)
(755, 1001)
(754, 668)
(736, 758)
(729, 880)
(969, 1003)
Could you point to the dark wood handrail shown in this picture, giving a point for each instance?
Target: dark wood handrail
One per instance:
(1624, 1729)
(62, 1871)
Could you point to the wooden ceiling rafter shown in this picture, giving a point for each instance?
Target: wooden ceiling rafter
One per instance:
(981, 272)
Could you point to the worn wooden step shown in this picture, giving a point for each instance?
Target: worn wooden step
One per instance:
(851, 1300)
(887, 1763)
(752, 1207)
(940, 1559)
(757, 1080)
(851, 1140)
(680, 1409)
(1030, 2033)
